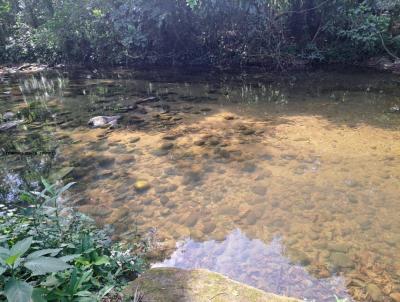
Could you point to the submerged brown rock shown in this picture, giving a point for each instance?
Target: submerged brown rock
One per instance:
(177, 285)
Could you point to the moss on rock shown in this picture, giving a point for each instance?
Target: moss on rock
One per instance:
(176, 285)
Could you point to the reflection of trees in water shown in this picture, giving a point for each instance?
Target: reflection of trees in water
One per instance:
(28, 151)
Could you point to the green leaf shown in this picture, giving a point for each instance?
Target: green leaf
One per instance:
(39, 295)
(4, 253)
(105, 290)
(101, 260)
(45, 265)
(84, 293)
(12, 259)
(2, 270)
(69, 258)
(52, 252)
(21, 247)
(18, 291)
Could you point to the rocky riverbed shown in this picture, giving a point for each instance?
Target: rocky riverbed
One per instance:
(308, 161)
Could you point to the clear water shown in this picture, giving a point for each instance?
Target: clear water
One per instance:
(288, 183)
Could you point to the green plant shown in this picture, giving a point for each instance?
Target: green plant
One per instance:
(13, 268)
(52, 253)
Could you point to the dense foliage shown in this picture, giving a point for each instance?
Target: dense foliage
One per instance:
(49, 253)
(217, 32)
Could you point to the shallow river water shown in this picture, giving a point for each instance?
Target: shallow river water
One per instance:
(288, 183)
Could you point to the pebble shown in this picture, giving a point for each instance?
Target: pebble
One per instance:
(134, 140)
(209, 227)
(172, 188)
(164, 200)
(249, 168)
(160, 152)
(259, 190)
(191, 220)
(199, 142)
(141, 185)
(191, 177)
(374, 292)
(248, 132)
(167, 146)
(338, 247)
(341, 260)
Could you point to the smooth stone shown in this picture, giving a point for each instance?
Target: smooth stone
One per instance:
(160, 152)
(103, 121)
(141, 185)
(167, 146)
(253, 216)
(172, 188)
(341, 260)
(134, 140)
(249, 168)
(259, 190)
(164, 200)
(374, 292)
(171, 204)
(8, 116)
(248, 132)
(214, 141)
(170, 137)
(191, 177)
(199, 142)
(338, 247)
(209, 227)
(191, 220)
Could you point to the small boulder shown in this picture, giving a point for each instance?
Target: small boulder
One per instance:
(177, 285)
(104, 121)
(8, 116)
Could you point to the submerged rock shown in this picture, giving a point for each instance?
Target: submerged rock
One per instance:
(8, 116)
(177, 285)
(394, 109)
(141, 185)
(104, 121)
(341, 260)
(9, 125)
(374, 292)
